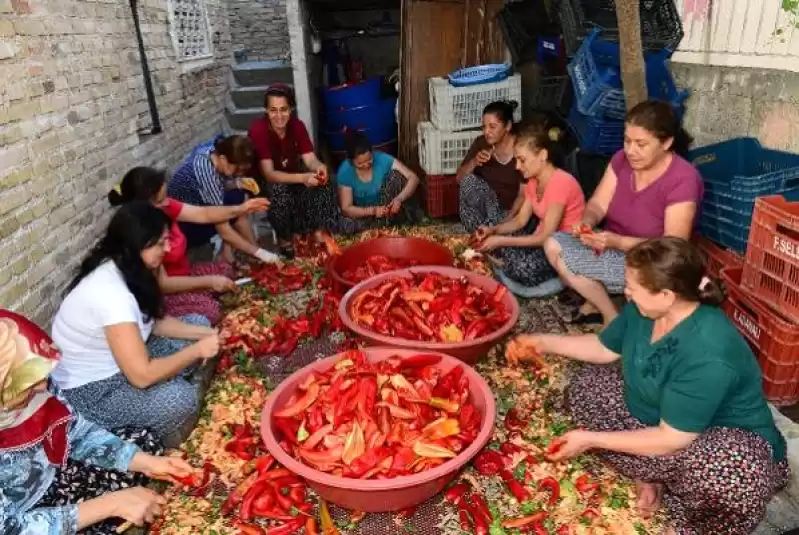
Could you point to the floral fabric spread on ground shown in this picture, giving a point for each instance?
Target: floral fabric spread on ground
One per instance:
(290, 315)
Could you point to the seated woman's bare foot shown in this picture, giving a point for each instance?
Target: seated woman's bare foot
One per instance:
(647, 498)
(588, 308)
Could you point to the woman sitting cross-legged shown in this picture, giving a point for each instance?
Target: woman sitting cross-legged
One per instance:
(684, 413)
(209, 177)
(189, 289)
(124, 363)
(373, 187)
(647, 191)
(59, 472)
(490, 185)
(552, 197)
(303, 199)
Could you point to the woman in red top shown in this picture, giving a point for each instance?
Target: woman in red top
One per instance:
(303, 199)
(189, 289)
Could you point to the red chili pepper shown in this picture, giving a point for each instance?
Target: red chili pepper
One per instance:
(481, 506)
(238, 493)
(555, 446)
(249, 499)
(536, 518)
(551, 484)
(202, 489)
(513, 420)
(456, 492)
(482, 519)
(288, 528)
(488, 463)
(465, 520)
(248, 529)
(297, 495)
(516, 488)
(288, 427)
(264, 463)
(509, 448)
(584, 485)
(311, 527)
(283, 500)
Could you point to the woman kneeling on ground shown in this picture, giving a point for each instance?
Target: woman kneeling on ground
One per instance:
(302, 198)
(647, 191)
(373, 187)
(210, 177)
(124, 363)
(490, 189)
(189, 289)
(552, 198)
(60, 473)
(684, 414)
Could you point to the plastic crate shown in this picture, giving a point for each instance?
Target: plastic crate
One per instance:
(731, 231)
(596, 77)
(440, 195)
(461, 108)
(548, 93)
(743, 167)
(481, 74)
(441, 152)
(521, 23)
(596, 134)
(661, 25)
(771, 271)
(774, 340)
(716, 257)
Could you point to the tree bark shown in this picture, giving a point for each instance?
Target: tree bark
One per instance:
(633, 72)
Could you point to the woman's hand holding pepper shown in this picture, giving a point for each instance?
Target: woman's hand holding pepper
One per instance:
(490, 243)
(526, 348)
(381, 211)
(483, 232)
(251, 206)
(394, 206)
(310, 180)
(220, 284)
(137, 505)
(161, 467)
(570, 445)
(599, 241)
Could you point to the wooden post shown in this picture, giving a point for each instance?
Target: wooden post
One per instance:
(633, 71)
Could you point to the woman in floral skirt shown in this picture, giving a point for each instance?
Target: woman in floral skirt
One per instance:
(684, 414)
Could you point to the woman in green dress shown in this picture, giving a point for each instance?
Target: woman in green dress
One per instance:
(684, 413)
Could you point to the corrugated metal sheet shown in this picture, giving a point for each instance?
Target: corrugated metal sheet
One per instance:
(743, 33)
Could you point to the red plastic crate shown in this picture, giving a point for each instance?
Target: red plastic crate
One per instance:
(771, 270)
(441, 195)
(774, 340)
(716, 257)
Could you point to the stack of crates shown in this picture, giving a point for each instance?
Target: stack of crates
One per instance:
(456, 115)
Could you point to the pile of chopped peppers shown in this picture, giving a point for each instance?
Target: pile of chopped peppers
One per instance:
(430, 307)
(378, 421)
(280, 278)
(375, 265)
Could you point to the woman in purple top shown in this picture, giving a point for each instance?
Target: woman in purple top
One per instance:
(647, 191)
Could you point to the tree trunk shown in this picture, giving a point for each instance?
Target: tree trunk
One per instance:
(633, 73)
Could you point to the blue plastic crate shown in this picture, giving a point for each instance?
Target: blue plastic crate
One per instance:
(481, 74)
(742, 167)
(596, 134)
(716, 232)
(596, 76)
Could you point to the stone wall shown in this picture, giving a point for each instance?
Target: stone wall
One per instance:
(258, 29)
(72, 115)
(730, 102)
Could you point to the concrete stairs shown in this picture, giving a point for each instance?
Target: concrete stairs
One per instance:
(249, 81)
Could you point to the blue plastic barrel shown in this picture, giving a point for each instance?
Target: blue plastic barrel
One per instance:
(377, 136)
(345, 97)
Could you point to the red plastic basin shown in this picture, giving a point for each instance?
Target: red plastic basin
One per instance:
(424, 252)
(380, 495)
(469, 351)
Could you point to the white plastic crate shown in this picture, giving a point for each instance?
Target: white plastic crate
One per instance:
(440, 152)
(461, 108)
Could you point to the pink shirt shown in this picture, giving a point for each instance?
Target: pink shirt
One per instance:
(562, 189)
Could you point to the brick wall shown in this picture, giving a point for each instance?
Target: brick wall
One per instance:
(258, 29)
(73, 104)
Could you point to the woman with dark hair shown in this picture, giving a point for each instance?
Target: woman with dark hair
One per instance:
(188, 288)
(299, 188)
(648, 191)
(211, 176)
(684, 414)
(60, 473)
(552, 199)
(490, 185)
(373, 187)
(124, 363)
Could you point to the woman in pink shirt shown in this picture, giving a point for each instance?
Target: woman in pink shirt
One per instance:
(648, 191)
(188, 289)
(552, 196)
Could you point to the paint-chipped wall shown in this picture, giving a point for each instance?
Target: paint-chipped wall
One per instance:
(729, 102)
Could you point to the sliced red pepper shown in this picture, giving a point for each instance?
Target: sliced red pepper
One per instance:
(288, 427)
(488, 463)
(516, 488)
(311, 528)
(264, 463)
(509, 448)
(481, 520)
(248, 529)
(553, 486)
(238, 493)
(456, 492)
(536, 518)
(590, 514)
(255, 491)
(513, 420)
(301, 405)
(288, 528)
(481, 506)
(555, 446)
(421, 360)
(584, 485)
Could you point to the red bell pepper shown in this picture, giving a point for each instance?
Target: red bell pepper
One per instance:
(553, 486)
(301, 405)
(288, 427)
(488, 463)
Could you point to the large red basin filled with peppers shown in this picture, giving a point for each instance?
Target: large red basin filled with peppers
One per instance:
(380, 495)
(466, 346)
(372, 257)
